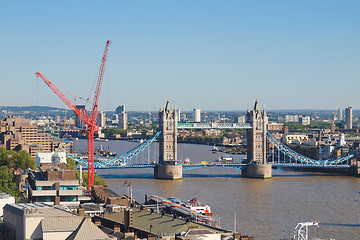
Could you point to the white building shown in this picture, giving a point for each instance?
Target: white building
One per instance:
(240, 119)
(305, 120)
(339, 115)
(50, 158)
(123, 120)
(295, 138)
(178, 115)
(101, 119)
(5, 199)
(197, 115)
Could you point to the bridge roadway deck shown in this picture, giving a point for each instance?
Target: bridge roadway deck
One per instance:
(189, 166)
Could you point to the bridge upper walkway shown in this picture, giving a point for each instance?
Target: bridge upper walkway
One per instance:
(214, 126)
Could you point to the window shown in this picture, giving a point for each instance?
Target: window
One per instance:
(69, 187)
(68, 198)
(45, 199)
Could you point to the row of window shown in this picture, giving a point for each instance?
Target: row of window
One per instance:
(52, 199)
(68, 187)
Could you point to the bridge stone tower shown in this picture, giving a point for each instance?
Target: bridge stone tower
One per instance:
(257, 166)
(168, 167)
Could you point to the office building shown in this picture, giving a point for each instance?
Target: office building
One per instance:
(53, 183)
(305, 120)
(17, 134)
(101, 119)
(348, 117)
(178, 115)
(339, 115)
(240, 119)
(120, 109)
(123, 121)
(197, 115)
(78, 122)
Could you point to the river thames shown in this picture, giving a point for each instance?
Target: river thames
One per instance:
(265, 209)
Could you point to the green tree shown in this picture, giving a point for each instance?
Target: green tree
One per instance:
(16, 159)
(7, 183)
(70, 163)
(97, 179)
(110, 132)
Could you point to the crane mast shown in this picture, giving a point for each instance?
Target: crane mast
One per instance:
(90, 121)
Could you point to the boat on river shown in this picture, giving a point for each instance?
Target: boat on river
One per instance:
(225, 158)
(191, 209)
(194, 205)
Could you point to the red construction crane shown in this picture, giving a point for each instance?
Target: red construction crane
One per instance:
(90, 121)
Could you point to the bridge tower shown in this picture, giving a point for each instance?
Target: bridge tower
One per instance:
(168, 167)
(257, 166)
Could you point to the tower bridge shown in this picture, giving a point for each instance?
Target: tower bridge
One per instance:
(263, 151)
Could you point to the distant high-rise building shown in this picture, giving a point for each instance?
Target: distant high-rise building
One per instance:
(348, 117)
(197, 115)
(101, 119)
(305, 120)
(296, 118)
(240, 119)
(123, 123)
(339, 115)
(178, 115)
(78, 122)
(120, 109)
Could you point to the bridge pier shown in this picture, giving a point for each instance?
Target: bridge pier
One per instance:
(262, 171)
(167, 171)
(356, 170)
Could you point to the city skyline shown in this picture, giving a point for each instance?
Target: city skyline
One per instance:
(204, 54)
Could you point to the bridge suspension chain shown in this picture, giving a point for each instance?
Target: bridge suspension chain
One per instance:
(303, 159)
(117, 161)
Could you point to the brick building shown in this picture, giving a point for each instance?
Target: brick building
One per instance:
(18, 134)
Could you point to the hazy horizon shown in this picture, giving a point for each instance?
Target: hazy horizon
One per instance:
(200, 54)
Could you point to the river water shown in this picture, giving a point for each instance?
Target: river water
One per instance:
(265, 209)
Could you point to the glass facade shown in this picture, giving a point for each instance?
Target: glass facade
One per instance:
(69, 187)
(68, 198)
(62, 187)
(45, 199)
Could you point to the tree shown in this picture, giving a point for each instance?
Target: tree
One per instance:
(70, 163)
(16, 159)
(110, 132)
(7, 182)
(97, 179)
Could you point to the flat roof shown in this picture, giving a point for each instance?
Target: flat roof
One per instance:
(37, 209)
(160, 224)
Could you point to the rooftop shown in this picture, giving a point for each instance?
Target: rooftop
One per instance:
(160, 224)
(37, 209)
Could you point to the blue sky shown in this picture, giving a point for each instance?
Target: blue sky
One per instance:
(213, 55)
